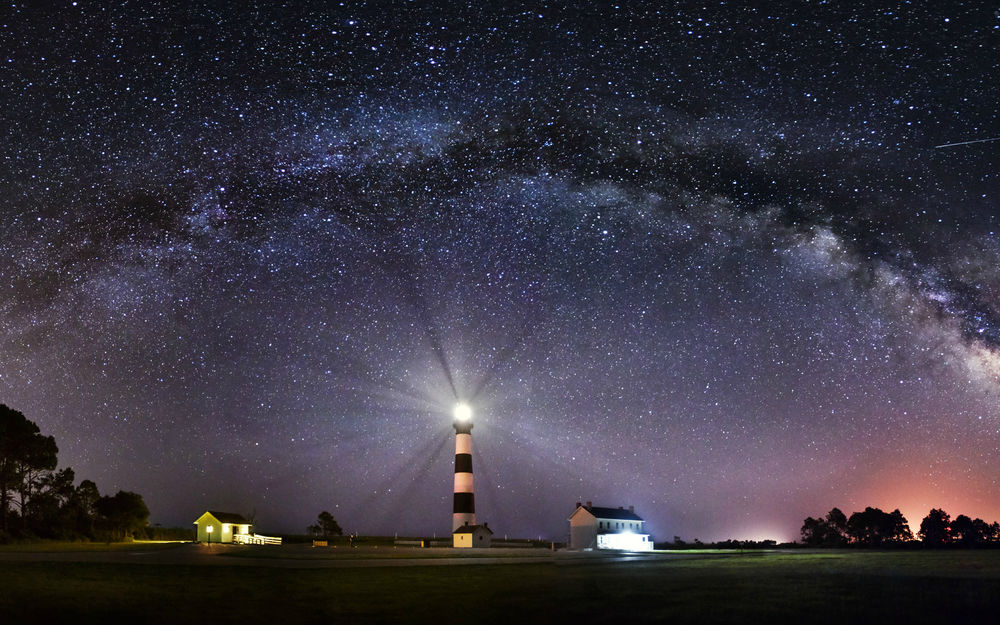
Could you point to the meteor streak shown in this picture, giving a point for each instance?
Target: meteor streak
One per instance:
(948, 145)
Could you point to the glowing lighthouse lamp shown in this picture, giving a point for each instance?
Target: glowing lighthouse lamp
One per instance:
(463, 413)
(464, 510)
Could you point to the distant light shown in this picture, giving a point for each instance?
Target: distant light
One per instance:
(463, 412)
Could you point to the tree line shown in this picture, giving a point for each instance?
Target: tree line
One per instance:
(876, 528)
(37, 501)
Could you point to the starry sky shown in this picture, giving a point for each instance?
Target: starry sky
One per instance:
(699, 258)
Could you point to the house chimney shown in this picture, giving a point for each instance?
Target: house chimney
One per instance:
(578, 504)
(631, 509)
(590, 504)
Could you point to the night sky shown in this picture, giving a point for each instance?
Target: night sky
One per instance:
(701, 259)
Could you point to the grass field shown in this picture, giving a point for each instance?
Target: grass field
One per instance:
(830, 587)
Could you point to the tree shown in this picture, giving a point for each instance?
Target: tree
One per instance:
(898, 528)
(981, 530)
(81, 509)
(51, 514)
(37, 457)
(875, 528)
(828, 532)
(968, 532)
(862, 527)
(836, 525)
(935, 529)
(326, 526)
(23, 453)
(813, 532)
(122, 515)
(962, 531)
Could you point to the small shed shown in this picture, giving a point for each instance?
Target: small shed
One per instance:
(472, 536)
(220, 527)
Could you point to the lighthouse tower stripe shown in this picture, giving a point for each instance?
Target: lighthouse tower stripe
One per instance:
(464, 510)
(463, 483)
(463, 463)
(464, 504)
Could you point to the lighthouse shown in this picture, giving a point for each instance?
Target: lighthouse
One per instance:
(464, 512)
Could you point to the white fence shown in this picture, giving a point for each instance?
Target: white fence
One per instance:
(255, 539)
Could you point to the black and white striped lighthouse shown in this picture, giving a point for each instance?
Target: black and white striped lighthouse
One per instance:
(465, 503)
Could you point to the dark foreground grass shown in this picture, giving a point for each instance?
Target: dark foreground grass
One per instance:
(839, 587)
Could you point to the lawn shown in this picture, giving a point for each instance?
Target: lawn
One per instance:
(814, 588)
(77, 547)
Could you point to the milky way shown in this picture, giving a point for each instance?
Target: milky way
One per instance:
(702, 260)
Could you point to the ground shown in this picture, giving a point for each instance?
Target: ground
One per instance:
(187, 583)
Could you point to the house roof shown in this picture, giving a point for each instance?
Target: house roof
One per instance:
(230, 517)
(468, 529)
(616, 514)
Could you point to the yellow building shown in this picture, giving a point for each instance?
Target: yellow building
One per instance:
(472, 536)
(220, 527)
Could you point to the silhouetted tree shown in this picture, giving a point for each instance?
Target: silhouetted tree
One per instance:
(981, 530)
(861, 526)
(37, 457)
(970, 532)
(962, 531)
(326, 526)
(50, 512)
(23, 452)
(122, 515)
(828, 532)
(82, 508)
(813, 532)
(935, 529)
(836, 528)
(875, 528)
(48, 503)
(899, 528)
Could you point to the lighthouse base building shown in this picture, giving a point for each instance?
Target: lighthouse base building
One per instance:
(472, 536)
(596, 527)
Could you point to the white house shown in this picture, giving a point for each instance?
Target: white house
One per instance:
(596, 527)
(472, 536)
(220, 527)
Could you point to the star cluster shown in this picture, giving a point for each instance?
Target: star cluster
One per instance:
(698, 258)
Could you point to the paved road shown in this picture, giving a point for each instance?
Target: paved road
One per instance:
(306, 557)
